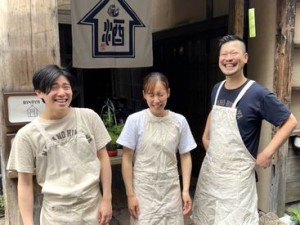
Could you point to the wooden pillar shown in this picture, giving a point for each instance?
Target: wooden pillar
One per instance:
(28, 40)
(286, 13)
(236, 17)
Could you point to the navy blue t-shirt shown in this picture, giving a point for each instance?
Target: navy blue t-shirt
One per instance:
(257, 104)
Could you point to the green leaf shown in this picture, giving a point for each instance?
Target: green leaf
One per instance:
(294, 214)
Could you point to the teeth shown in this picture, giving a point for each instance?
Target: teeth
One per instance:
(61, 100)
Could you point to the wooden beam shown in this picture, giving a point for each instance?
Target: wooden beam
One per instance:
(215, 26)
(286, 12)
(29, 40)
(236, 17)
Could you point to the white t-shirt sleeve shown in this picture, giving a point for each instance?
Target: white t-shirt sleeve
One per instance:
(130, 134)
(187, 141)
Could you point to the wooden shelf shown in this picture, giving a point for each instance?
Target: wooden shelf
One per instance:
(296, 88)
(296, 132)
(116, 160)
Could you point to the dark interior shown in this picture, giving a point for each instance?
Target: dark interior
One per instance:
(187, 55)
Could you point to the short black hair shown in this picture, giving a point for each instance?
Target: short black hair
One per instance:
(44, 78)
(229, 38)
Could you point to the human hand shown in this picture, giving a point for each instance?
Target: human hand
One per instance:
(187, 202)
(104, 212)
(263, 160)
(133, 206)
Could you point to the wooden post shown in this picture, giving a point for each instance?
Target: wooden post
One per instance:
(286, 13)
(28, 40)
(236, 17)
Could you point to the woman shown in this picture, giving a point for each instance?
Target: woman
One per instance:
(150, 140)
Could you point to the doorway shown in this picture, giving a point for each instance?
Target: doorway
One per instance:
(188, 56)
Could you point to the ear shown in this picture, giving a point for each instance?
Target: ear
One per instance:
(39, 94)
(169, 92)
(246, 56)
(144, 94)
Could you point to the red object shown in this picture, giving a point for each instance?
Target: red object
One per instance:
(112, 152)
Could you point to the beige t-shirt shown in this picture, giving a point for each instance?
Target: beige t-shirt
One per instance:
(29, 142)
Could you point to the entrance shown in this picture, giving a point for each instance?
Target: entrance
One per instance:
(187, 55)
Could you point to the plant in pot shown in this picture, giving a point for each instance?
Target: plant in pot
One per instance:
(294, 215)
(113, 127)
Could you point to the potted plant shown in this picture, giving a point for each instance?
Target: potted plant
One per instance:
(113, 127)
(294, 215)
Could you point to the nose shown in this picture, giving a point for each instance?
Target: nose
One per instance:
(229, 56)
(60, 91)
(156, 98)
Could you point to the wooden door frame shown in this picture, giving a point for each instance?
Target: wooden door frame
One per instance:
(286, 14)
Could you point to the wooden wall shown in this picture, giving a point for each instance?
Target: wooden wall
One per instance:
(28, 40)
(297, 24)
(293, 172)
(167, 14)
(262, 67)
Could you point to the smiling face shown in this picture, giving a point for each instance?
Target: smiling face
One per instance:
(58, 99)
(232, 58)
(157, 97)
(156, 92)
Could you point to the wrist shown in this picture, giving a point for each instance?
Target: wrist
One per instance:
(106, 198)
(130, 195)
(268, 153)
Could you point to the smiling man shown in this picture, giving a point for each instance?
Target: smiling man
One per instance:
(226, 188)
(66, 146)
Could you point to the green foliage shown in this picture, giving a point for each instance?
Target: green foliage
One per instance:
(294, 214)
(2, 204)
(114, 132)
(109, 119)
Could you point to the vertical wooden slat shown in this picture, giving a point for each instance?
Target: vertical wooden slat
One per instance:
(286, 11)
(236, 17)
(28, 40)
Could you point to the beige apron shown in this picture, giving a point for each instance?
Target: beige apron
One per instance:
(156, 181)
(226, 189)
(73, 172)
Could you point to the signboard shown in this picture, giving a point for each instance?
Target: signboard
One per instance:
(22, 107)
(111, 34)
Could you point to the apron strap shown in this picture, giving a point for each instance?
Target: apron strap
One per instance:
(44, 133)
(42, 130)
(242, 92)
(218, 91)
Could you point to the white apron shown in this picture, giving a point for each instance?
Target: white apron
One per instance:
(226, 188)
(73, 174)
(156, 181)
